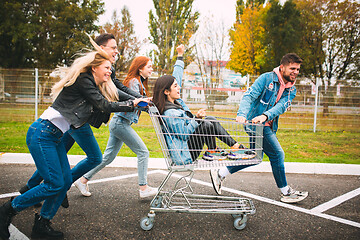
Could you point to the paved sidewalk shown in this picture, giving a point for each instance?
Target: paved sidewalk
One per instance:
(159, 163)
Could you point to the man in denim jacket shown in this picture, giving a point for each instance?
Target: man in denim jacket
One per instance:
(269, 97)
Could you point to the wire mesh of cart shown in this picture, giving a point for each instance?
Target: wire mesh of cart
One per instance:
(189, 144)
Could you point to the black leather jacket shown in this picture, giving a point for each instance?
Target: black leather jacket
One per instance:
(78, 101)
(98, 117)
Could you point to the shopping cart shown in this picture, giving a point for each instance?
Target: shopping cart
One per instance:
(181, 197)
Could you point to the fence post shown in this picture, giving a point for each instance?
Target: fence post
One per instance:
(316, 102)
(36, 92)
(247, 81)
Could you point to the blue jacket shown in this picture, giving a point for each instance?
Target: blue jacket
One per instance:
(261, 96)
(133, 117)
(178, 128)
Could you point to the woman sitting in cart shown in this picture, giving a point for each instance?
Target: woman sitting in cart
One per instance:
(188, 134)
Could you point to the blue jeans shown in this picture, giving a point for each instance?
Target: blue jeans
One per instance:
(85, 139)
(48, 151)
(121, 132)
(273, 149)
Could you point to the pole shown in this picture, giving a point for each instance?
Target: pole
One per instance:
(36, 92)
(316, 102)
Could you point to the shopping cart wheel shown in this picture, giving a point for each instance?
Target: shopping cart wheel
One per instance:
(157, 202)
(146, 223)
(240, 222)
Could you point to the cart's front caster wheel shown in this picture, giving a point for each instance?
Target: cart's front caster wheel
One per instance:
(146, 223)
(240, 222)
(157, 202)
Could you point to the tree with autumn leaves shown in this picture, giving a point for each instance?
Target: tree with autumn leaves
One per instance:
(248, 50)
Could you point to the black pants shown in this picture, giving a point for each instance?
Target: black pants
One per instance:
(206, 133)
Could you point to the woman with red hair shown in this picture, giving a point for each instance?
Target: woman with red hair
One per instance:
(121, 131)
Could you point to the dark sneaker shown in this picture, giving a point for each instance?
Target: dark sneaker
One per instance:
(241, 154)
(42, 229)
(25, 189)
(293, 196)
(215, 156)
(6, 215)
(65, 202)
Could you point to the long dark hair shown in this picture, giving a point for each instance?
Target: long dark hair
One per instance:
(134, 72)
(159, 98)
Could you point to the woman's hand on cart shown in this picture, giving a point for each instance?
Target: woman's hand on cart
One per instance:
(201, 113)
(241, 119)
(142, 102)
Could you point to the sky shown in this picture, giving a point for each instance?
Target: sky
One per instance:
(222, 10)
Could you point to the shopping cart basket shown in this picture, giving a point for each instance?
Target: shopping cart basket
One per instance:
(181, 197)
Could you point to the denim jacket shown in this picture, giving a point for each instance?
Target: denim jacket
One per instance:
(133, 117)
(261, 96)
(178, 128)
(178, 125)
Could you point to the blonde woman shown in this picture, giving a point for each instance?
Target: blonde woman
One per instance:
(86, 85)
(121, 131)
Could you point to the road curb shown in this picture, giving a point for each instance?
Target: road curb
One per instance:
(159, 163)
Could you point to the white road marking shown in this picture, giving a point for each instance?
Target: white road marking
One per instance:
(15, 234)
(277, 203)
(317, 211)
(336, 201)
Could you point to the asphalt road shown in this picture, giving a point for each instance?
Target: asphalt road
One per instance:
(332, 210)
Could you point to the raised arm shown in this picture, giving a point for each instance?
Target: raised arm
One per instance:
(179, 65)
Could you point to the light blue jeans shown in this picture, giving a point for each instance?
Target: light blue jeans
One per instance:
(121, 132)
(273, 149)
(48, 151)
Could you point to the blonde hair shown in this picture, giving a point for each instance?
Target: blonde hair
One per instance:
(81, 65)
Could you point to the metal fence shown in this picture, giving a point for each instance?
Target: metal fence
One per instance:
(315, 107)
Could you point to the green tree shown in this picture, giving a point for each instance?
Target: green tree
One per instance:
(283, 32)
(312, 37)
(123, 30)
(172, 24)
(42, 33)
(330, 43)
(242, 4)
(342, 43)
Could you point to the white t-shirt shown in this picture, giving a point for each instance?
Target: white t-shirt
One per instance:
(56, 118)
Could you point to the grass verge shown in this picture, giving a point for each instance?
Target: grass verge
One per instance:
(299, 146)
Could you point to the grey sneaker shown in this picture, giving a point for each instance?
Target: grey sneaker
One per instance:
(293, 196)
(216, 180)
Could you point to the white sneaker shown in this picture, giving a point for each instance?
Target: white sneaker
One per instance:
(83, 188)
(216, 180)
(148, 192)
(293, 196)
